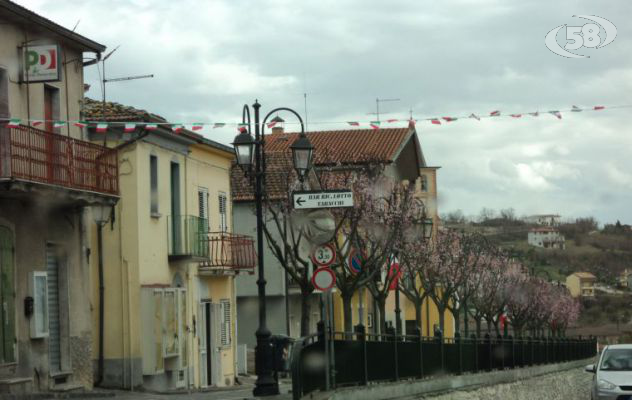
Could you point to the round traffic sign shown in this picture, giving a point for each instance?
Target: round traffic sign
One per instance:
(324, 255)
(323, 279)
(355, 262)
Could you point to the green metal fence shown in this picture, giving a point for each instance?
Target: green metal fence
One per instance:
(360, 358)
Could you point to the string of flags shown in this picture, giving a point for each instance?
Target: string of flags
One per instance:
(131, 126)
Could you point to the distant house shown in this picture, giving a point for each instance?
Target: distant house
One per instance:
(546, 237)
(544, 220)
(625, 278)
(581, 284)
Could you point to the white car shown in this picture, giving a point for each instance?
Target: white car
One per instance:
(613, 374)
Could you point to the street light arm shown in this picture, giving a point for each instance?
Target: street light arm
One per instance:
(263, 124)
(245, 116)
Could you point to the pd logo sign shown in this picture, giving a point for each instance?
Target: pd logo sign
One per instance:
(591, 35)
(41, 63)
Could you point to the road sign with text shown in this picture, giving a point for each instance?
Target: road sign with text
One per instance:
(322, 199)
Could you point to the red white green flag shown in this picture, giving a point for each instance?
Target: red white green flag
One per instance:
(576, 109)
(129, 127)
(218, 125)
(37, 123)
(177, 128)
(151, 127)
(534, 114)
(13, 123)
(598, 108)
(59, 124)
(476, 117)
(494, 113)
(435, 121)
(242, 127)
(516, 115)
(80, 124)
(354, 123)
(102, 128)
(375, 124)
(390, 121)
(449, 119)
(197, 126)
(271, 124)
(556, 113)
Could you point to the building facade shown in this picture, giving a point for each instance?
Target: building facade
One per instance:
(170, 258)
(547, 238)
(544, 220)
(49, 180)
(581, 284)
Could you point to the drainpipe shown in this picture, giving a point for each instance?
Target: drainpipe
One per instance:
(101, 303)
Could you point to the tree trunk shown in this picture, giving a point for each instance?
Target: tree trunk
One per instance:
(441, 311)
(381, 303)
(489, 326)
(456, 313)
(418, 305)
(305, 313)
(466, 328)
(478, 327)
(348, 316)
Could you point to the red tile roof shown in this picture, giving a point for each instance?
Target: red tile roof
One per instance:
(344, 147)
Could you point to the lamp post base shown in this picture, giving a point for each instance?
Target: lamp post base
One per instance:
(271, 389)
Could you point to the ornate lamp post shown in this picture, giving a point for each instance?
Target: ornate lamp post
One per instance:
(250, 153)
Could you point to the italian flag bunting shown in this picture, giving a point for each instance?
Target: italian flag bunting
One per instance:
(13, 123)
(598, 108)
(197, 126)
(271, 124)
(59, 124)
(449, 119)
(177, 128)
(435, 121)
(534, 114)
(102, 127)
(129, 127)
(476, 117)
(494, 113)
(151, 127)
(80, 124)
(556, 113)
(37, 123)
(218, 125)
(375, 124)
(516, 115)
(242, 127)
(576, 109)
(353, 123)
(391, 120)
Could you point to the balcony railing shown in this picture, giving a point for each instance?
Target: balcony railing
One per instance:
(188, 237)
(230, 253)
(32, 155)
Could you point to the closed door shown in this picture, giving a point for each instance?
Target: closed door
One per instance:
(7, 293)
(205, 365)
(54, 342)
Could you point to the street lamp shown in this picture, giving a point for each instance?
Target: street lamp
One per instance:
(302, 151)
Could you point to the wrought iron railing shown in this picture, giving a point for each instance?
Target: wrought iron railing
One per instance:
(387, 357)
(34, 155)
(230, 252)
(188, 236)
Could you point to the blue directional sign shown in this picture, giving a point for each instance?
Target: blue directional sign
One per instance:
(355, 262)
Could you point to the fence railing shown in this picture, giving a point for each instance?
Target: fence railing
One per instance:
(34, 155)
(188, 236)
(360, 358)
(230, 252)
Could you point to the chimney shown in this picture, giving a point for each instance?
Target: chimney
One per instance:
(277, 124)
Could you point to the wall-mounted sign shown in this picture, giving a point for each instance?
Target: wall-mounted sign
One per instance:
(41, 63)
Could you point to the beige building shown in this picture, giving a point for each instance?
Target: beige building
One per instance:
(49, 177)
(547, 238)
(170, 258)
(581, 284)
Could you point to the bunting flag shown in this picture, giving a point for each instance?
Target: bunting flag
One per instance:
(556, 113)
(435, 121)
(375, 124)
(271, 124)
(218, 125)
(353, 123)
(576, 109)
(151, 127)
(59, 124)
(102, 128)
(242, 127)
(13, 123)
(494, 113)
(534, 114)
(394, 274)
(80, 124)
(598, 108)
(197, 126)
(177, 128)
(516, 115)
(37, 123)
(476, 117)
(449, 119)
(390, 121)
(129, 127)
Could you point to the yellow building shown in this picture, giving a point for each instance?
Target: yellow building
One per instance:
(169, 259)
(581, 284)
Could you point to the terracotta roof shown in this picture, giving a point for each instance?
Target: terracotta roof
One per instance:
(342, 147)
(93, 111)
(584, 275)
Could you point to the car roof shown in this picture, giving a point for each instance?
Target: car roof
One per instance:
(619, 346)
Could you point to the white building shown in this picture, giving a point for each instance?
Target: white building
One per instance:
(548, 238)
(544, 220)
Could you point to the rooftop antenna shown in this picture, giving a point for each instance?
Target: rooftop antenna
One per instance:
(377, 106)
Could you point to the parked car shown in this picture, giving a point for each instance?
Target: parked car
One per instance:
(613, 374)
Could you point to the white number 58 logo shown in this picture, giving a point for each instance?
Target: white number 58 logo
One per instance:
(577, 37)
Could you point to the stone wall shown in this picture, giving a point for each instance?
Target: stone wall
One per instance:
(573, 384)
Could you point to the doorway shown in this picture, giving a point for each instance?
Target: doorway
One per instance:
(206, 367)
(54, 322)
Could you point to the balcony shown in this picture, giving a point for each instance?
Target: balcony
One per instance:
(31, 158)
(229, 254)
(188, 237)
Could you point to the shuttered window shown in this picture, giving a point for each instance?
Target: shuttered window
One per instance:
(4, 94)
(226, 322)
(223, 226)
(153, 180)
(203, 208)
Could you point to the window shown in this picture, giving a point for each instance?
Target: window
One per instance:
(4, 94)
(51, 108)
(226, 318)
(203, 205)
(39, 319)
(424, 183)
(222, 212)
(153, 179)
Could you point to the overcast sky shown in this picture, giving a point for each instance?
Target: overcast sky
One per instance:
(440, 58)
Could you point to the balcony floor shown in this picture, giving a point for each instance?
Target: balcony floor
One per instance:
(26, 190)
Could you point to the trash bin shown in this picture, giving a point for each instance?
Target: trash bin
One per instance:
(281, 352)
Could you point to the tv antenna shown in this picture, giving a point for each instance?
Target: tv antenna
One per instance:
(377, 106)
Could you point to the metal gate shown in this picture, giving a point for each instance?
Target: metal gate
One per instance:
(54, 342)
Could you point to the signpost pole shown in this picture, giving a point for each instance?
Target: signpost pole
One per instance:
(325, 296)
(332, 353)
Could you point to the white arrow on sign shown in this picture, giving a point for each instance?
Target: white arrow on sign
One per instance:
(322, 199)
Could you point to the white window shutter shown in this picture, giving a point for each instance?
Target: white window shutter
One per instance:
(226, 322)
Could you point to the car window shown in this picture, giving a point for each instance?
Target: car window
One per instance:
(617, 360)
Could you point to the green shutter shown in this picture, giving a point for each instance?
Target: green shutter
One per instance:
(7, 297)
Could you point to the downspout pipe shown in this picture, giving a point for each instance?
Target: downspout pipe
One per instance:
(101, 305)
